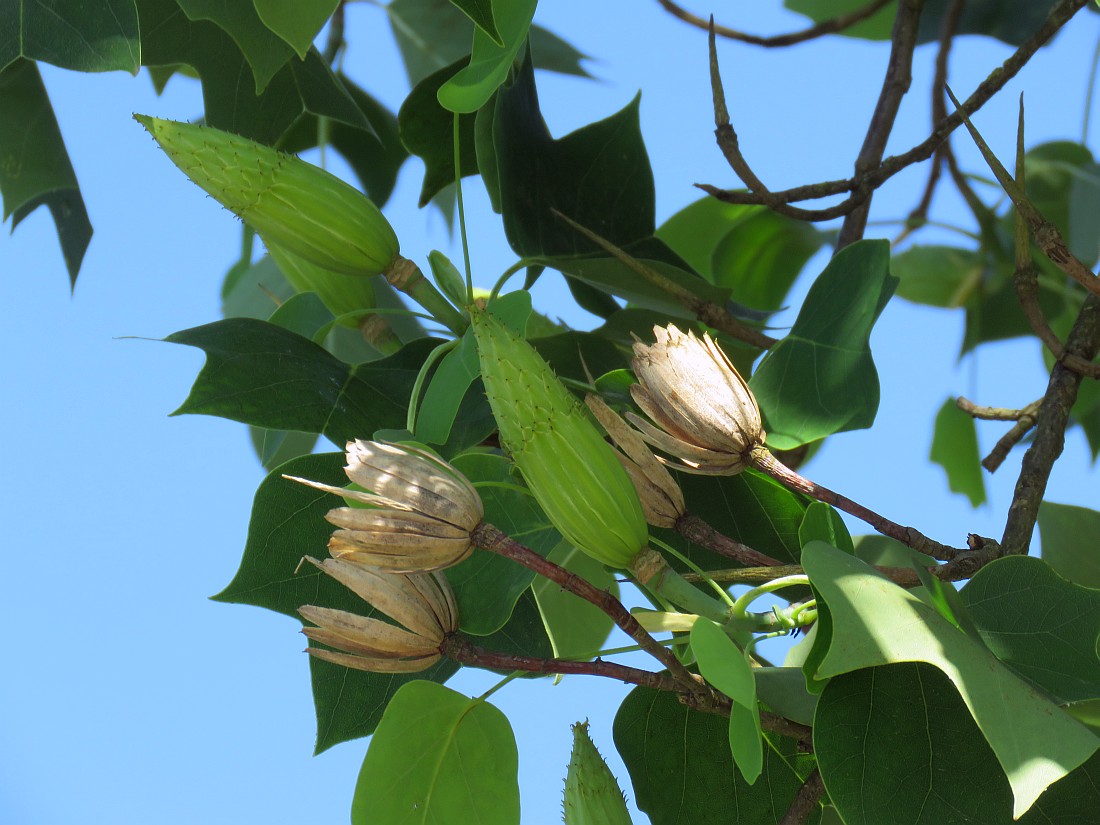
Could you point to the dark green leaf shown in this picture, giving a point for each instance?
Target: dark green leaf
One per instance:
(275, 447)
(1084, 213)
(955, 448)
(440, 403)
(1035, 742)
(1044, 627)
(876, 27)
(599, 176)
(441, 757)
(993, 311)
(91, 36)
(553, 54)
(783, 689)
(940, 276)
(1068, 534)
(821, 379)
(254, 291)
(304, 314)
(481, 12)
(261, 374)
(168, 38)
(682, 770)
(265, 51)
(490, 63)
(34, 166)
(575, 627)
(823, 523)
(896, 746)
(295, 21)
(486, 585)
(1056, 172)
(1073, 799)
(427, 130)
(578, 355)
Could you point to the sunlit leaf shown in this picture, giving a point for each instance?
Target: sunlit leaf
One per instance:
(490, 61)
(295, 21)
(1068, 534)
(955, 448)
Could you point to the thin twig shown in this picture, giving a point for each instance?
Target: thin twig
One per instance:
(805, 801)
(488, 537)
(993, 413)
(895, 84)
(860, 187)
(831, 26)
(1024, 423)
(1050, 430)
(695, 529)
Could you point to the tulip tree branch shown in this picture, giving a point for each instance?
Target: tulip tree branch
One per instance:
(805, 801)
(490, 538)
(860, 187)
(830, 26)
(696, 530)
(768, 464)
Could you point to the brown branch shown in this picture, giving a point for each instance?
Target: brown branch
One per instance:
(1050, 429)
(488, 537)
(771, 722)
(1014, 436)
(860, 187)
(805, 801)
(831, 26)
(991, 413)
(460, 649)
(909, 536)
(696, 530)
(895, 84)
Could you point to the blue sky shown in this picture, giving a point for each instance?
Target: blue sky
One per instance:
(128, 697)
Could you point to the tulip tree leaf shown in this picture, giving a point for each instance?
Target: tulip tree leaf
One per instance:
(168, 38)
(297, 23)
(91, 36)
(481, 12)
(486, 585)
(823, 523)
(490, 61)
(682, 770)
(1039, 624)
(34, 166)
(575, 627)
(783, 689)
(1035, 742)
(427, 131)
(821, 379)
(261, 374)
(1068, 533)
(939, 276)
(896, 744)
(439, 756)
(955, 448)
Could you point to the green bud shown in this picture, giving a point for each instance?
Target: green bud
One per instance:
(342, 294)
(592, 797)
(291, 203)
(571, 471)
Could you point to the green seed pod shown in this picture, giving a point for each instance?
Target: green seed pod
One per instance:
(592, 797)
(570, 469)
(342, 294)
(291, 203)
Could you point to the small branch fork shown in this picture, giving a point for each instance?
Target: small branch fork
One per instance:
(860, 187)
(1024, 418)
(831, 26)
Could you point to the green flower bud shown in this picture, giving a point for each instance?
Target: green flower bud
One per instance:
(291, 203)
(592, 797)
(571, 471)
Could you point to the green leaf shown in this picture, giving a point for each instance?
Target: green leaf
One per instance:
(877, 27)
(254, 291)
(897, 746)
(275, 447)
(823, 523)
(296, 22)
(34, 166)
(887, 552)
(440, 757)
(450, 383)
(783, 689)
(427, 130)
(481, 12)
(1068, 534)
(1035, 742)
(1039, 624)
(487, 586)
(447, 277)
(955, 448)
(724, 665)
(265, 51)
(939, 276)
(553, 54)
(1061, 181)
(168, 38)
(92, 36)
(598, 175)
(304, 314)
(490, 63)
(575, 627)
(261, 374)
(682, 770)
(821, 379)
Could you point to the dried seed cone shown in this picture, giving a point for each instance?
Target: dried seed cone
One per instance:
(417, 516)
(704, 412)
(592, 797)
(570, 469)
(291, 203)
(423, 606)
